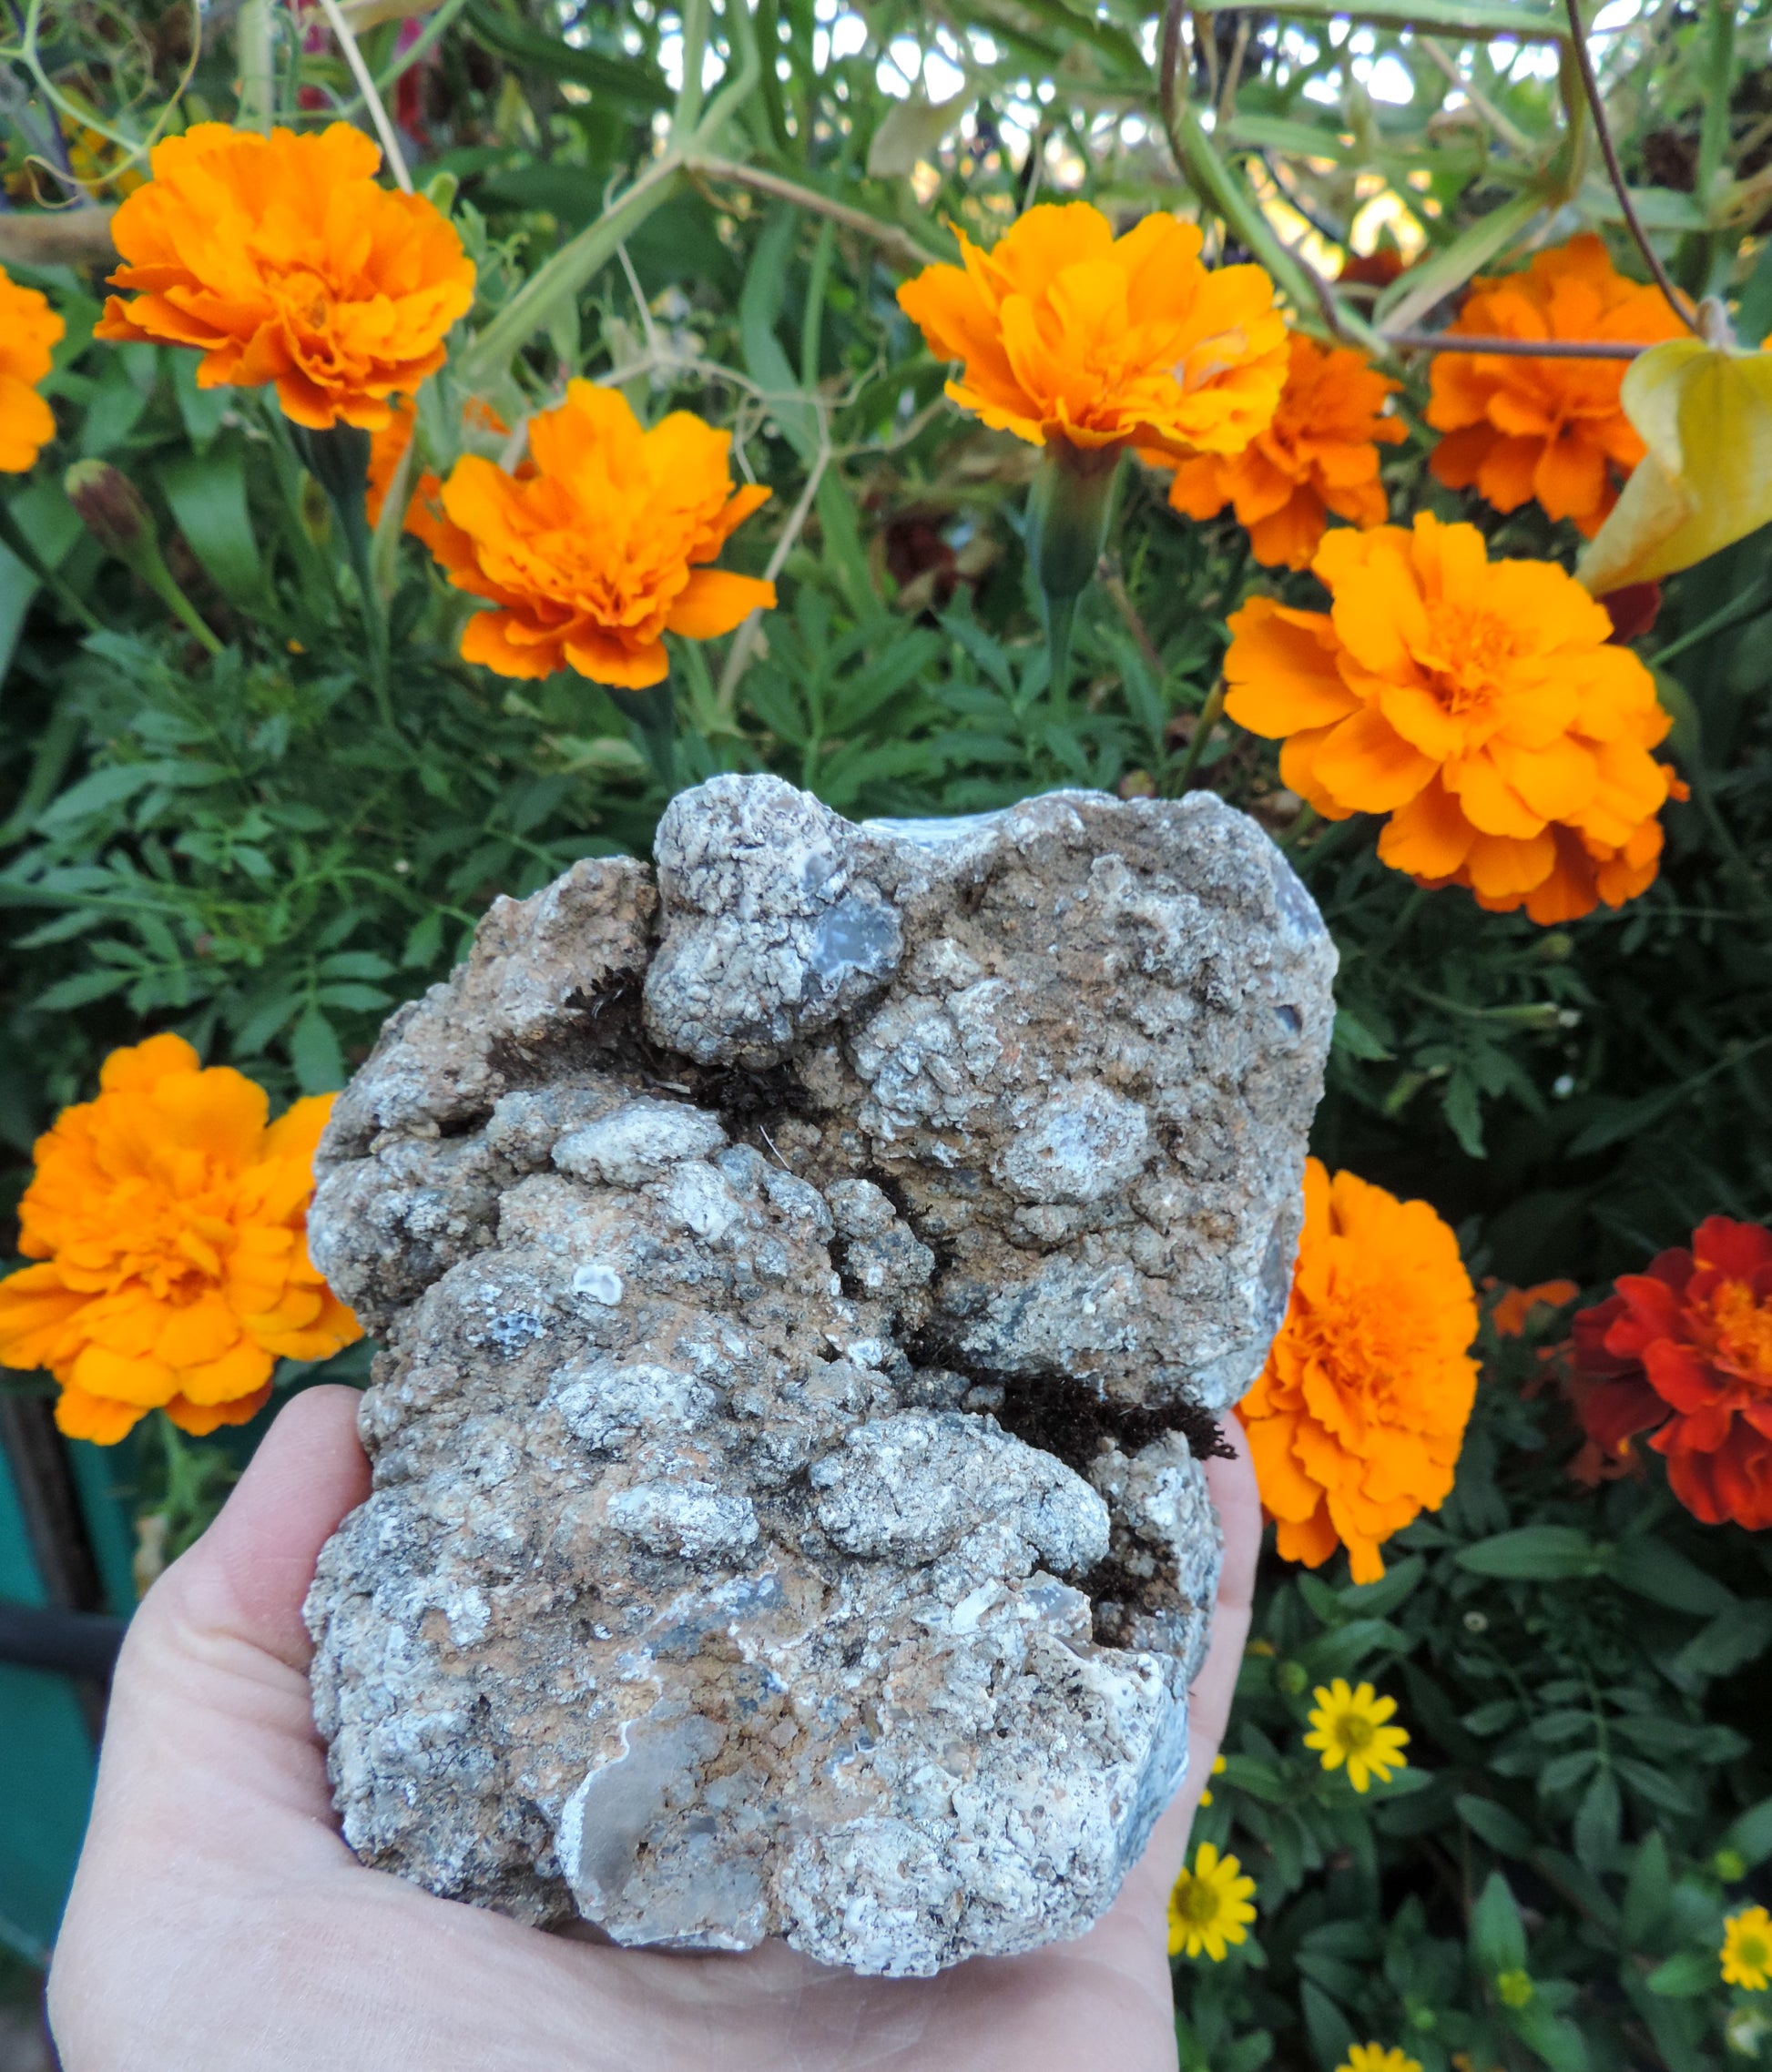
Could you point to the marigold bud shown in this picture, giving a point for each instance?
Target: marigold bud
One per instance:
(111, 508)
(1515, 1988)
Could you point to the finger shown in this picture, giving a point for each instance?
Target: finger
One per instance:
(246, 1577)
(1239, 1505)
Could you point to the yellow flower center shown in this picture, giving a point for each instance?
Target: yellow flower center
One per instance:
(1198, 1901)
(1753, 1953)
(1743, 1325)
(1355, 1733)
(1468, 654)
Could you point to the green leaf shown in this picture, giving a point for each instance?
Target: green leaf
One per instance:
(1533, 1553)
(765, 361)
(1498, 1936)
(314, 1052)
(632, 81)
(1412, 294)
(1353, 1036)
(207, 493)
(1645, 1895)
(80, 990)
(1732, 1639)
(1525, 19)
(1750, 1834)
(1657, 1572)
(1686, 1974)
(1598, 1823)
(202, 409)
(1331, 2034)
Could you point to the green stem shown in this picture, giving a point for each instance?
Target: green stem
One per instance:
(1211, 712)
(339, 460)
(158, 578)
(563, 277)
(812, 329)
(653, 712)
(13, 538)
(254, 52)
(687, 112)
(1714, 129)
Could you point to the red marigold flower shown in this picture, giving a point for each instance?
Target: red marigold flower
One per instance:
(1684, 1352)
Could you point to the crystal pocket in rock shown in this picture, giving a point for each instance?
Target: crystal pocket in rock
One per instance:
(809, 1277)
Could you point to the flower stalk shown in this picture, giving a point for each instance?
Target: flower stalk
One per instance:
(339, 462)
(113, 510)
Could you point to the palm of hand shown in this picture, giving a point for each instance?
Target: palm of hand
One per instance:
(220, 1922)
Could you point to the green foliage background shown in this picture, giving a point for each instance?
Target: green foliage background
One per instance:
(247, 849)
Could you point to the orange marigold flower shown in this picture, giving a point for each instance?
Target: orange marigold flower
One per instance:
(1066, 333)
(1356, 1421)
(1685, 1351)
(590, 552)
(1479, 704)
(1553, 429)
(170, 1220)
(1516, 1305)
(283, 261)
(1319, 454)
(387, 449)
(29, 332)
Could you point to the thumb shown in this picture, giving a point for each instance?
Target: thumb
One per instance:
(209, 1718)
(245, 1580)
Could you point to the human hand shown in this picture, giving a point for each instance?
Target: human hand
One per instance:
(219, 1923)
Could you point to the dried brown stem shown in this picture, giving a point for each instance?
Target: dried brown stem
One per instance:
(1616, 172)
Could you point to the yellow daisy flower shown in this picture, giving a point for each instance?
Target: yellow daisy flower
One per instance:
(1209, 1907)
(1350, 1728)
(1746, 1948)
(1374, 2058)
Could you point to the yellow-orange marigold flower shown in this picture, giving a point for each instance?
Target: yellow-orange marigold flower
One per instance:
(1320, 454)
(1066, 333)
(1356, 1421)
(1553, 429)
(170, 1220)
(590, 552)
(1479, 704)
(29, 332)
(282, 261)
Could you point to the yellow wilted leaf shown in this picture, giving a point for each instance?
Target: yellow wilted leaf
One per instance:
(1705, 415)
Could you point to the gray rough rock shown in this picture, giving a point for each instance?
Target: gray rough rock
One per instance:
(805, 1287)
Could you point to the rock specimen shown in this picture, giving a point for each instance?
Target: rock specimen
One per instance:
(808, 1279)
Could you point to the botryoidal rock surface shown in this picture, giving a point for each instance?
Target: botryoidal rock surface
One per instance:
(807, 1278)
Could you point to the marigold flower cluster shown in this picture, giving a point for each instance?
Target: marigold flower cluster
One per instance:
(1349, 1730)
(591, 551)
(1518, 428)
(1479, 704)
(283, 261)
(169, 1216)
(1356, 1421)
(1210, 1908)
(29, 332)
(1684, 1352)
(1318, 456)
(1066, 333)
